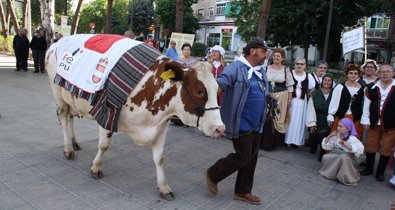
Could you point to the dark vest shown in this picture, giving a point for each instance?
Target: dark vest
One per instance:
(321, 109)
(387, 115)
(355, 100)
(317, 82)
(305, 84)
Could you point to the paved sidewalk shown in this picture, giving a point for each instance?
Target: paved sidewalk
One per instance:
(35, 175)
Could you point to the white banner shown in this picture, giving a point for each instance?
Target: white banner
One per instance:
(353, 40)
(181, 39)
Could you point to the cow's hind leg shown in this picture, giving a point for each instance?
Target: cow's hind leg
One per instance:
(70, 129)
(157, 152)
(64, 118)
(104, 143)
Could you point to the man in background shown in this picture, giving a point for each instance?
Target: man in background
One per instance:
(21, 48)
(39, 46)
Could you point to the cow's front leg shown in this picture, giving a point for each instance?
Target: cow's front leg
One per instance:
(104, 143)
(157, 152)
(64, 119)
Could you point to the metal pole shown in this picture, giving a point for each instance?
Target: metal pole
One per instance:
(365, 37)
(328, 29)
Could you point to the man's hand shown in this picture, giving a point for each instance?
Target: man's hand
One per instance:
(312, 129)
(365, 127)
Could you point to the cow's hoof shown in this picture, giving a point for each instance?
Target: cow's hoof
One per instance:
(69, 155)
(97, 175)
(76, 146)
(167, 196)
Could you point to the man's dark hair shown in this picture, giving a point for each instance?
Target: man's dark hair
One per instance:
(254, 43)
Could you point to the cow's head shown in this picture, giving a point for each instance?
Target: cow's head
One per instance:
(189, 93)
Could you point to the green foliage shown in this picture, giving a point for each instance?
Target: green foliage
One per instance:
(246, 17)
(141, 13)
(6, 44)
(198, 49)
(165, 9)
(95, 11)
(59, 11)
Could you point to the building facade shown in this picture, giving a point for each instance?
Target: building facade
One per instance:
(215, 27)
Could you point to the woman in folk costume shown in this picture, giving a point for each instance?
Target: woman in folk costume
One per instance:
(281, 81)
(317, 110)
(345, 149)
(347, 100)
(304, 84)
(218, 63)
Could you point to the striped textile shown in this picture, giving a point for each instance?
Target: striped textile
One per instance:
(125, 75)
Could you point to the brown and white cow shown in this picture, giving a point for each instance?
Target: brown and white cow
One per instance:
(144, 116)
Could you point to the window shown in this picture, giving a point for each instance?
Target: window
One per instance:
(379, 22)
(220, 9)
(213, 39)
(377, 27)
(200, 12)
(210, 11)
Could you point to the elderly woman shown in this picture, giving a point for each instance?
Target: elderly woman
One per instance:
(321, 68)
(186, 59)
(282, 82)
(369, 69)
(304, 84)
(317, 110)
(347, 100)
(345, 149)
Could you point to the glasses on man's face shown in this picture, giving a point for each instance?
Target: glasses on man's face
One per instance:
(385, 72)
(322, 67)
(299, 64)
(353, 73)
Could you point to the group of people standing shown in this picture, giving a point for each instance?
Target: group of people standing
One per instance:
(345, 120)
(38, 45)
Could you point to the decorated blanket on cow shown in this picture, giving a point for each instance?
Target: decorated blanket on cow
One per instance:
(102, 69)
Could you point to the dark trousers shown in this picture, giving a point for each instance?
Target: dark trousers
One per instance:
(243, 161)
(315, 139)
(21, 59)
(39, 59)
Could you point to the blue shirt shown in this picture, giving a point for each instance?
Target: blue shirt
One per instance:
(172, 53)
(235, 86)
(251, 117)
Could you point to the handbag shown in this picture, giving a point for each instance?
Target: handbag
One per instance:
(356, 161)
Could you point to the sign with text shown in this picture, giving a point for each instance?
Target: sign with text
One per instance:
(181, 39)
(353, 40)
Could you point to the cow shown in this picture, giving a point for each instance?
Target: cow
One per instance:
(191, 95)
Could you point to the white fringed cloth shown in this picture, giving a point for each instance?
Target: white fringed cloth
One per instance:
(125, 62)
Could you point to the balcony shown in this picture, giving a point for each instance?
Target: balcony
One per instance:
(373, 33)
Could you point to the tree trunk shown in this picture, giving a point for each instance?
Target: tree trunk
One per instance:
(263, 14)
(13, 15)
(109, 16)
(179, 15)
(76, 18)
(48, 6)
(25, 10)
(3, 22)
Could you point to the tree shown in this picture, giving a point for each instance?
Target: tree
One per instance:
(263, 16)
(141, 13)
(179, 15)
(76, 18)
(246, 17)
(25, 11)
(4, 23)
(48, 8)
(109, 16)
(11, 9)
(165, 11)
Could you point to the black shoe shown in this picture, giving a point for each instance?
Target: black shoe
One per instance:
(293, 146)
(42, 71)
(17, 69)
(366, 172)
(380, 178)
(35, 71)
(25, 69)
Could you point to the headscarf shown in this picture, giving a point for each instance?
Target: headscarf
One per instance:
(327, 75)
(350, 126)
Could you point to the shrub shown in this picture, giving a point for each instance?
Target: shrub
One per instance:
(6, 44)
(198, 49)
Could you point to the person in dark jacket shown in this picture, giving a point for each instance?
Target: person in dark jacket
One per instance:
(21, 48)
(38, 46)
(243, 111)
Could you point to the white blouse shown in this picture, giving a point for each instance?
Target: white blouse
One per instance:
(356, 145)
(274, 75)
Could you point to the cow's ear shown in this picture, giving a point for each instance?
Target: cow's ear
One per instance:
(173, 70)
